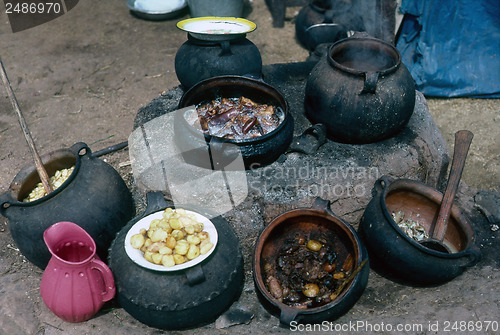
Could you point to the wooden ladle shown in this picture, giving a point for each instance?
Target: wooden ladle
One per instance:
(463, 139)
(44, 177)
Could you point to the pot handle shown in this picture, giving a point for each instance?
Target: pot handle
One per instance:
(309, 141)
(370, 83)
(107, 275)
(382, 183)
(226, 48)
(5, 201)
(321, 204)
(288, 314)
(472, 257)
(78, 148)
(195, 275)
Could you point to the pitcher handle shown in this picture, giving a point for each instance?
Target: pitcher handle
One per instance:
(107, 275)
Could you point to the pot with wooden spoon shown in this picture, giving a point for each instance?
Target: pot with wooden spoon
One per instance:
(415, 258)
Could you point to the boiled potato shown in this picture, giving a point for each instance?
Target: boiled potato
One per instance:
(175, 223)
(167, 213)
(168, 261)
(177, 234)
(157, 258)
(181, 211)
(148, 255)
(165, 251)
(137, 241)
(165, 225)
(182, 247)
(193, 252)
(171, 242)
(198, 227)
(193, 239)
(205, 246)
(186, 221)
(179, 259)
(203, 235)
(154, 223)
(155, 247)
(157, 234)
(189, 229)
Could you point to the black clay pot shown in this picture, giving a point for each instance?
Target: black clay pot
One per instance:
(94, 197)
(360, 91)
(180, 299)
(399, 257)
(317, 222)
(325, 21)
(197, 60)
(255, 152)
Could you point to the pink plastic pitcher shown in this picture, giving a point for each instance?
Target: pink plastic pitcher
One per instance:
(75, 283)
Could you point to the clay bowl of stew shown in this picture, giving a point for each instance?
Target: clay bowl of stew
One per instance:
(309, 265)
(210, 150)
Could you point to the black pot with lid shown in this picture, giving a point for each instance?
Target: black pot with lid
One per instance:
(216, 47)
(181, 299)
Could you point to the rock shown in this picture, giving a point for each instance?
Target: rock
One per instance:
(236, 315)
(486, 201)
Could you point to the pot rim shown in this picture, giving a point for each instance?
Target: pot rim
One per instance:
(281, 219)
(76, 151)
(237, 80)
(355, 39)
(434, 196)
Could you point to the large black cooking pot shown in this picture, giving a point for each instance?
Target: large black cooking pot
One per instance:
(198, 59)
(360, 91)
(94, 196)
(317, 222)
(257, 151)
(402, 258)
(181, 299)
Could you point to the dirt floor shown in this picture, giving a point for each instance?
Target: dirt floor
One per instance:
(83, 77)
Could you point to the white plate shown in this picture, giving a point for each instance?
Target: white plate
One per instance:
(156, 6)
(216, 28)
(137, 256)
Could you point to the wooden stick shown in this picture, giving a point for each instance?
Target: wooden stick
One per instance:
(44, 177)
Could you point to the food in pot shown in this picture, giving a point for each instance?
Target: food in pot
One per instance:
(174, 239)
(236, 118)
(410, 227)
(55, 181)
(307, 273)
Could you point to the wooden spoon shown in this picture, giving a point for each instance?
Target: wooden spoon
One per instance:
(463, 139)
(44, 177)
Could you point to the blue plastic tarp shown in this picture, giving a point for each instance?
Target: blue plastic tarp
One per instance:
(451, 47)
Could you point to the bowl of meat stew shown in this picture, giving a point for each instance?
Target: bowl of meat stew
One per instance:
(231, 116)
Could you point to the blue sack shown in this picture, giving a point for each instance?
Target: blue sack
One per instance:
(451, 47)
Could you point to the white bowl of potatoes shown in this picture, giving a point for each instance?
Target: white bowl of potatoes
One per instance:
(171, 240)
